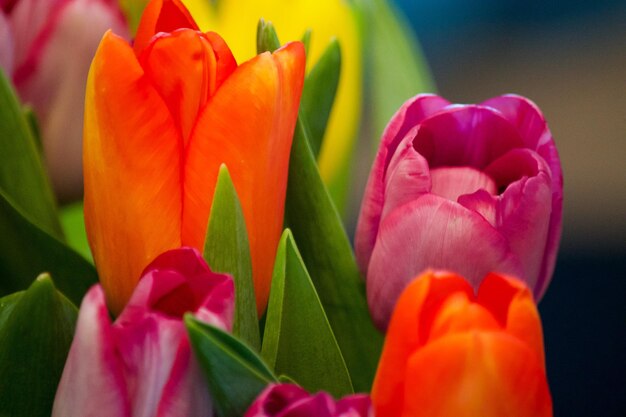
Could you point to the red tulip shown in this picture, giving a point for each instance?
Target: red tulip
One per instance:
(449, 352)
(468, 188)
(142, 365)
(160, 119)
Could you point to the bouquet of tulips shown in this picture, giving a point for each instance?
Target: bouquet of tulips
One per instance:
(219, 278)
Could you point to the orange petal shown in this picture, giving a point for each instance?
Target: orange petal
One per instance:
(513, 305)
(248, 125)
(226, 62)
(487, 374)
(409, 328)
(161, 16)
(131, 158)
(182, 67)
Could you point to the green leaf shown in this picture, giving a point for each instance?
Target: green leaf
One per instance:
(22, 174)
(306, 41)
(395, 66)
(328, 256)
(35, 337)
(227, 250)
(298, 340)
(235, 374)
(26, 251)
(73, 222)
(326, 250)
(319, 92)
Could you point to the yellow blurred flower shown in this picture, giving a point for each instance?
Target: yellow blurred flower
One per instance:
(236, 22)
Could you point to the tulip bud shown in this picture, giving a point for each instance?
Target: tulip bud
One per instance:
(161, 117)
(449, 352)
(468, 188)
(287, 400)
(142, 364)
(46, 48)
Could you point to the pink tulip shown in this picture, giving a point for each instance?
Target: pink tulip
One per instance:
(467, 188)
(46, 47)
(287, 400)
(142, 365)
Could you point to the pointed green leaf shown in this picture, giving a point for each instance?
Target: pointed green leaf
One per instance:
(26, 251)
(298, 340)
(73, 222)
(306, 41)
(326, 250)
(328, 256)
(234, 373)
(319, 92)
(35, 338)
(22, 175)
(227, 250)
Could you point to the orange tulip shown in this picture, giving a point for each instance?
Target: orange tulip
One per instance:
(449, 352)
(160, 118)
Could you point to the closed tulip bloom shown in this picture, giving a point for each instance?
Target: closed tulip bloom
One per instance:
(142, 364)
(449, 352)
(161, 117)
(236, 21)
(468, 188)
(45, 49)
(288, 400)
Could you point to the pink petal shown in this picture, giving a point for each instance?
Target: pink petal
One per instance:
(432, 232)
(274, 399)
(468, 135)
(93, 382)
(531, 124)
(52, 76)
(453, 182)
(149, 348)
(410, 114)
(6, 46)
(359, 405)
(407, 175)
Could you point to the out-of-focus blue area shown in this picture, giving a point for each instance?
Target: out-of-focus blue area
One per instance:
(570, 57)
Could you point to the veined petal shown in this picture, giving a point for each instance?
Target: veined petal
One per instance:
(161, 16)
(248, 125)
(132, 168)
(409, 115)
(182, 67)
(93, 378)
(470, 374)
(432, 232)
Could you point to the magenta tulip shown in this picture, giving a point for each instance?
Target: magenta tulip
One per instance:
(287, 400)
(142, 364)
(467, 188)
(46, 47)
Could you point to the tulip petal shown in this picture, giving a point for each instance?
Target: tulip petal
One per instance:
(524, 209)
(6, 46)
(358, 405)
(226, 62)
(454, 182)
(408, 233)
(182, 68)
(468, 135)
(55, 85)
(527, 117)
(409, 115)
(512, 304)
(408, 331)
(407, 176)
(476, 374)
(93, 366)
(248, 125)
(275, 398)
(132, 181)
(161, 16)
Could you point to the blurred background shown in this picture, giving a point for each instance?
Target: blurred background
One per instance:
(570, 58)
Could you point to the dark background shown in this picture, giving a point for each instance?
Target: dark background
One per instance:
(570, 58)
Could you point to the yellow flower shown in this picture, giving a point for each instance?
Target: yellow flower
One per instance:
(236, 22)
